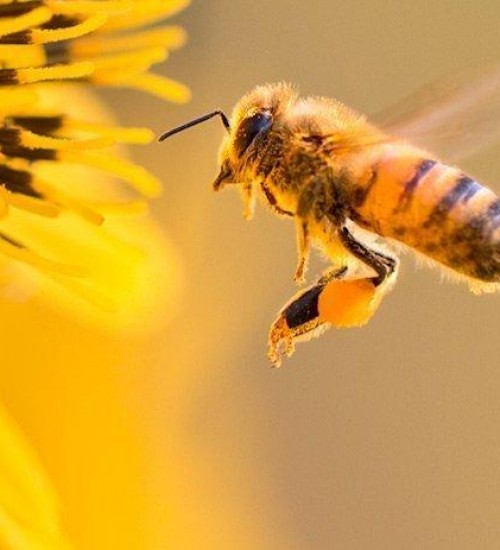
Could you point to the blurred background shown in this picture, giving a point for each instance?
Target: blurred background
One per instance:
(381, 437)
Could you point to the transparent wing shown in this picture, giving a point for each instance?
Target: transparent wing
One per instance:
(453, 118)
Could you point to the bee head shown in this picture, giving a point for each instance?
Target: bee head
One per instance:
(252, 118)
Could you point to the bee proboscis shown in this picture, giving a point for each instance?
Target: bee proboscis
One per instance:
(350, 187)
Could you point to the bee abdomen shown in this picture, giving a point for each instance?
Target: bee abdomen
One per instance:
(473, 248)
(436, 209)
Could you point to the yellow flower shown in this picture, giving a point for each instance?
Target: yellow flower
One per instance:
(59, 212)
(28, 510)
(72, 236)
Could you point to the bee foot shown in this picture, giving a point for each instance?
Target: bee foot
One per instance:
(280, 341)
(299, 275)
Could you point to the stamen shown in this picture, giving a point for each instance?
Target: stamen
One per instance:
(58, 21)
(33, 18)
(142, 59)
(30, 204)
(20, 137)
(58, 72)
(44, 36)
(144, 182)
(34, 141)
(144, 13)
(44, 124)
(137, 136)
(128, 208)
(85, 292)
(88, 6)
(28, 154)
(93, 217)
(11, 9)
(17, 251)
(17, 179)
(60, 40)
(69, 203)
(170, 37)
(160, 86)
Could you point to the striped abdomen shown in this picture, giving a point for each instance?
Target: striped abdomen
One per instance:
(433, 208)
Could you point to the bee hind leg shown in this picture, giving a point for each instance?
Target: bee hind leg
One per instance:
(384, 265)
(353, 302)
(333, 301)
(299, 319)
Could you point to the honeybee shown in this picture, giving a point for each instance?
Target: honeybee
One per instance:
(351, 188)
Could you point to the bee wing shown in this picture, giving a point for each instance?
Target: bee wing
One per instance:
(454, 118)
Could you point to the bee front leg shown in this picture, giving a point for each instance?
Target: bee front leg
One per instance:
(248, 198)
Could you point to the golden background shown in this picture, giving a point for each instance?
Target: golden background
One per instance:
(381, 437)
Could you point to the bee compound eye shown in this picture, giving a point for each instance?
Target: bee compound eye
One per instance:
(250, 128)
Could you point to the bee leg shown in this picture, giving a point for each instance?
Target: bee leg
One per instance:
(352, 303)
(383, 264)
(299, 319)
(310, 205)
(333, 301)
(303, 248)
(273, 203)
(248, 198)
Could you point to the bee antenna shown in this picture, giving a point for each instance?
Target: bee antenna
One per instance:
(196, 121)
